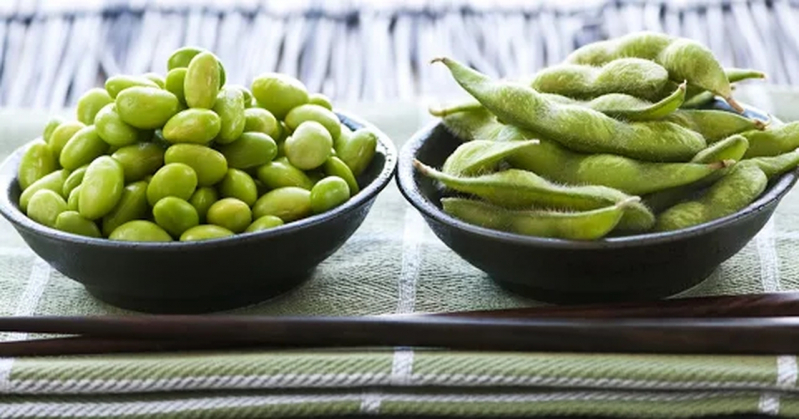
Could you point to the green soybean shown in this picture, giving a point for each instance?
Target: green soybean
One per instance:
(288, 203)
(155, 78)
(578, 128)
(101, 188)
(132, 205)
(198, 126)
(90, 103)
(264, 223)
(481, 156)
(245, 94)
(683, 58)
(250, 150)
(45, 206)
(73, 180)
(261, 120)
(182, 58)
(82, 148)
(73, 222)
(140, 231)
(280, 173)
(209, 164)
(311, 112)
(115, 85)
(580, 225)
(279, 93)
(174, 179)
(205, 232)
(730, 194)
(230, 213)
(230, 108)
(113, 130)
(238, 184)
(62, 134)
(772, 141)
(139, 160)
(202, 81)
(519, 189)
(731, 148)
(357, 149)
(775, 165)
(632, 76)
(321, 100)
(329, 193)
(309, 146)
(50, 127)
(175, 215)
(146, 108)
(713, 125)
(73, 200)
(335, 167)
(37, 162)
(202, 199)
(175, 80)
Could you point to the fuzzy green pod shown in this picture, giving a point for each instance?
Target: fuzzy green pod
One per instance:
(732, 148)
(85, 146)
(36, 163)
(773, 140)
(45, 206)
(90, 103)
(696, 96)
(714, 125)
(579, 225)
(101, 188)
(730, 194)
(132, 205)
(576, 127)
(202, 81)
(775, 165)
(636, 77)
(230, 108)
(139, 160)
(683, 58)
(73, 222)
(481, 156)
(115, 85)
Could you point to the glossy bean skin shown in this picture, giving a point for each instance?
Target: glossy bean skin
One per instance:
(198, 126)
(36, 163)
(578, 128)
(335, 167)
(73, 180)
(113, 130)
(279, 93)
(45, 206)
(311, 112)
(732, 148)
(329, 193)
(202, 199)
(309, 146)
(683, 58)
(117, 84)
(730, 194)
(155, 78)
(174, 83)
(261, 120)
(175, 215)
(246, 94)
(320, 100)
(101, 188)
(773, 140)
(581, 225)
(50, 127)
(82, 148)
(714, 125)
(288, 203)
(174, 179)
(205, 232)
(182, 57)
(140, 231)
(139, 160)
(280, 173)
(230, 213)
(132, 205)
(202, 81)
(74, 199)
(636, 77)
(73, 222)
(357, 150)
(264, 223)
(238, 184)
(209, 164)
(230, 108)
(555, 162)
(251, 149)
(62, 134)
(146, 108)
(90, 103)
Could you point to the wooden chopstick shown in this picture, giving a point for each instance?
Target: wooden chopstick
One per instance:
(777, 335)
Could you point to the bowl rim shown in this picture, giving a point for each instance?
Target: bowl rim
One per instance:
(386, 146)
(409, 187)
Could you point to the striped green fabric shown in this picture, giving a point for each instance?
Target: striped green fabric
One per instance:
(393, 264)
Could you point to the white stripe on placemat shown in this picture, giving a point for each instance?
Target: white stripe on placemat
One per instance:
(402, 364)
(786, 378)
(767, 253)
(37, 281)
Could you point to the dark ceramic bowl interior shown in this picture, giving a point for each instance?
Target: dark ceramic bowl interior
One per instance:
(212, 275)
(625, 268)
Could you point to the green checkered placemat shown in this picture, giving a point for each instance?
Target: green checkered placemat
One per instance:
(393, 264)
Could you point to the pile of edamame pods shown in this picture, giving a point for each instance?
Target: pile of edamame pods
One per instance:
(187, 157)
(615, 140)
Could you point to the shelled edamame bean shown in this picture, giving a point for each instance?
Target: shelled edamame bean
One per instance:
(183, 156)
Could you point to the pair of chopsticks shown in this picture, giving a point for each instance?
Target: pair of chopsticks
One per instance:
(749, 324)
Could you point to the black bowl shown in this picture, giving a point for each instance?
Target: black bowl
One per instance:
(639, 267)
(192, 277)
